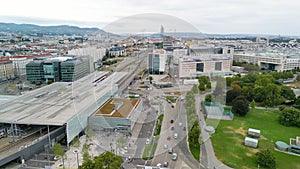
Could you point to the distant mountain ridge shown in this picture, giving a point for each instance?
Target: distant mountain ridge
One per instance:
(53, 30)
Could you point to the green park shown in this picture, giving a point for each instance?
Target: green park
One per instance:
(228, 141)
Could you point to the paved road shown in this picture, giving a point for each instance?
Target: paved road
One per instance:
(179, 145)
(207, 158)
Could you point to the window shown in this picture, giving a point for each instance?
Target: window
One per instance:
(218, 66)
(199, 67)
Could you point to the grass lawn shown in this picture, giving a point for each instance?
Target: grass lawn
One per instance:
(150, 149)
(195, 150)
(228, 141)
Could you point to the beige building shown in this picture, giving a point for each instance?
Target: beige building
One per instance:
(194, 66)
(6, 69)
(271, 61)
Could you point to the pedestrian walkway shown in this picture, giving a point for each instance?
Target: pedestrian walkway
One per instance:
(212, 161)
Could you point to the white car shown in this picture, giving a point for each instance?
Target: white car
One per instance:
(175, 136)
(180, 124)
(148, 141)
(174, 157)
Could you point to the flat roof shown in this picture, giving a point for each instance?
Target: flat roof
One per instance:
(57, 103)
(117, 107)
(251, 140)
(253, 130)
(6, 98)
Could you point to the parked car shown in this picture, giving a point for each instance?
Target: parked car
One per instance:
(174, 157)
(170, 150)
(166, 164)
(175, 136)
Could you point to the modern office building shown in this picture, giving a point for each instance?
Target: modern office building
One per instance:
(74, 69)
(20, 62)
(157, 62)
(35, 71)
(6, 69)
(210, 65)
(277, 61)
(58, 69)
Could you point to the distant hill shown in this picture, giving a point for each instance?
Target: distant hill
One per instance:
(48, 30)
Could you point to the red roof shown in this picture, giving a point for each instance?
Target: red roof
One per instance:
(4, 59)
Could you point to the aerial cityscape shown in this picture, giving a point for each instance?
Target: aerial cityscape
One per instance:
(149, 85)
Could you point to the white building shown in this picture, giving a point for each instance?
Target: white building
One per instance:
(95, 55)
(117, 51)
(157, 62)
(19, 64)
(270, 60)
(177, 53)
(194, 66)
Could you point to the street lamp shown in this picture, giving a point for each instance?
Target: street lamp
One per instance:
(76, 152)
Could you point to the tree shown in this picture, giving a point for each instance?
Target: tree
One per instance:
(287, 93)
(231, 95)
(297, 101)
(106, 160)
(252, 104)
(208, 98)
(266, 159)
(289, 116)
(240, 106)
(87, 162)
(150, 79)
(59, 151)
(208, 85)
(201, 86)
(194, 134)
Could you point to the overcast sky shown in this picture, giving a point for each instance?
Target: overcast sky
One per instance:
(208, 16)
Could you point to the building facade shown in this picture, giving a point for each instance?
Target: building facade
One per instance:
(194, 66)
(6, 69)
(60, 69)
(19, 64)
(157, 62)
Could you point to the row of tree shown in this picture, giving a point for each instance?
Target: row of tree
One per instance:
(262, 88)
(204, 83)
(192, 119)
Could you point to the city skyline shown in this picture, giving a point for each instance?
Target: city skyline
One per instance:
(220, 17)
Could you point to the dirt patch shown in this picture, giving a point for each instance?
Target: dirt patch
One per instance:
(263, 137)
(237, 157)
(230, 127)
(249, 154)
(228, 132)
(241, 131)
(254, 150)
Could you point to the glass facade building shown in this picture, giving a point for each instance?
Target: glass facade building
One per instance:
(57, 71)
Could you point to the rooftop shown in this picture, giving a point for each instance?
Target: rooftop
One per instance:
(57, 103)
(117, 107)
